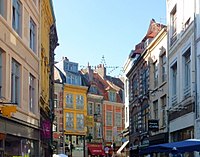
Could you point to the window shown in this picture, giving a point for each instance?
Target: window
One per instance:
(144, 81)
(173, 16)
(187, 70)
(118, 119)
(98, 130)
(90, 108)
(2, 7)
(91, 131)
(1, 75)
(15, 82)
(69, 121)
(79, 102)
(163, 105)
(73, 79)
(16, 16)
(32, 35)
(55, 125)
(80, 122)
(109, 118)
(70, 66)
(69, 101)
(98, 109)
(174, 83)
(109, 135)
(164, 67)
(155, 66)
(55, 100)
(155, 109)
(112, 96)
(31, 93)
(134, 88)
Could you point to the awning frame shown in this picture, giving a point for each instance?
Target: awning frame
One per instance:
(122, 147)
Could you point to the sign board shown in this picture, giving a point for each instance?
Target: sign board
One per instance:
(89, 121)
(153, 125)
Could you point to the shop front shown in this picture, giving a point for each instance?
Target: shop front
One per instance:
(17, 139)
(95, 150)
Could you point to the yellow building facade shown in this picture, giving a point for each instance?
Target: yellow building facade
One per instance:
(46, 21)
(74, 115)
(76, 94)
(48, 44)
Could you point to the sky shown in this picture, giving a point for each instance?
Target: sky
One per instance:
(103, 31)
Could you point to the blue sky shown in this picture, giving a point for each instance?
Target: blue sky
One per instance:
(90, 29)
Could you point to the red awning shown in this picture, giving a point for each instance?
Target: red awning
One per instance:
(95, 149)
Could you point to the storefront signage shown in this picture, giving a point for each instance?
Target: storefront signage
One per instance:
(46, 129)
(153, 125)
(90, 121)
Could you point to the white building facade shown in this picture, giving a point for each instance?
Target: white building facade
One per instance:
(181, 69)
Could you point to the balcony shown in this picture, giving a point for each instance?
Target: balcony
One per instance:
(174, 100)
(173, 39)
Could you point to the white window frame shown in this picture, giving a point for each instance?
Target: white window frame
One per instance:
(118, 119)
(79, 101)
(69, 121)
(98, 109)
(90, 108)
(15, 82)
(173, 18)
(109, 135)
(80, 122)
(155, 109)
(174, 83)
(155, 74)
(112, 96)
(69, 100)
(109, 118)
(16, 16)
(187, 71)
(32, 35)
(31, 93)
(164, 67)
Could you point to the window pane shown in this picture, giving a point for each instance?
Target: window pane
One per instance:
(15, 82)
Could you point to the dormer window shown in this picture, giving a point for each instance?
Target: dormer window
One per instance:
(112, 96)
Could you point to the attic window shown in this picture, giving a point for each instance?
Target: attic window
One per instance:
(112, 96)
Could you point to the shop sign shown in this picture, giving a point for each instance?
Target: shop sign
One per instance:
(46, 129)
(153, 125)
(90, 121)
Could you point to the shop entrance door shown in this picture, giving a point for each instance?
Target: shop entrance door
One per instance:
(1, 153)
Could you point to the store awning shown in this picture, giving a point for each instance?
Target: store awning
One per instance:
(95, 149)
(174, 147)
(122, 147)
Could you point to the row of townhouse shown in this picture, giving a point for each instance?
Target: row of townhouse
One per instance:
(89, 111)
(162, 80)
(27, 41)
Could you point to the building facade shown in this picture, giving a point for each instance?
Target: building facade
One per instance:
(74, 107)
(19, 75)
(48, 43)
(181, 59)
(139, 90)
(158, 89)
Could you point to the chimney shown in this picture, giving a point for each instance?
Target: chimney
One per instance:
(90, 72)
(101, 70)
